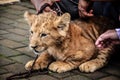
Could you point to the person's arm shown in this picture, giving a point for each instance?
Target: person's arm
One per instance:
(39, 3)
(108, 37)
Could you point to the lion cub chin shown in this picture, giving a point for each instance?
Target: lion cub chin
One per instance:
(66, 45)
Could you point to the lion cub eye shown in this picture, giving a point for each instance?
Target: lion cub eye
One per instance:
(43, 35)
(31, 32)
(61, 26)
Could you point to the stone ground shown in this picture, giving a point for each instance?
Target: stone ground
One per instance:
(14, 51)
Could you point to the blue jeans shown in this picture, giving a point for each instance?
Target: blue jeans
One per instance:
(107, 9)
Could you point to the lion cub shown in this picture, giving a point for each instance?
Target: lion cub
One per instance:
(64, 44)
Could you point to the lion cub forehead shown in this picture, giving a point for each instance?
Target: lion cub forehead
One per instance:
(45, 20)
(47, 16)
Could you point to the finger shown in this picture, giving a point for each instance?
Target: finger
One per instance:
(91, 11)
(87, 14)
(104, 36)
(54, 12)
(48, 9)
(99, 46)
(90, 15)
(99, 41)
(81, 14)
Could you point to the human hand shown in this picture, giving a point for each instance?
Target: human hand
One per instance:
(107, 38)
(39, 3)
(82, 9)
(48, 9)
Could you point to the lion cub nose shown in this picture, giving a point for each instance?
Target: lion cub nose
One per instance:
(33, 47)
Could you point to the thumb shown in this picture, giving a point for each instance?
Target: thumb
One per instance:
(91, 11)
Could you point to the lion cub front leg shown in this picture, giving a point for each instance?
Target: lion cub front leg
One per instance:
(60, 66)
(42, 62)
(72, 62)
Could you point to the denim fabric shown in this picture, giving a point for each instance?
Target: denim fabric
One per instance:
(107, 9)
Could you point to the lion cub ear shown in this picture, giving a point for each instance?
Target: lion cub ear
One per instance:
(29, 17)
(63, 25)
(66, 18)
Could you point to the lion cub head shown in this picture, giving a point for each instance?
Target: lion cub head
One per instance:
(47, 29)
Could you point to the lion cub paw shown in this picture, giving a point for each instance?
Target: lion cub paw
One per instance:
(88, 67)
(59, 67)
(29, 65)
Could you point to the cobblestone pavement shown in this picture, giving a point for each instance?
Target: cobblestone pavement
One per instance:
(14, 51)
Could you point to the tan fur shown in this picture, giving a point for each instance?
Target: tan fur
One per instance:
(69, 43)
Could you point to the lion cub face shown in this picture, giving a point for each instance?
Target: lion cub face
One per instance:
(46, 29)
